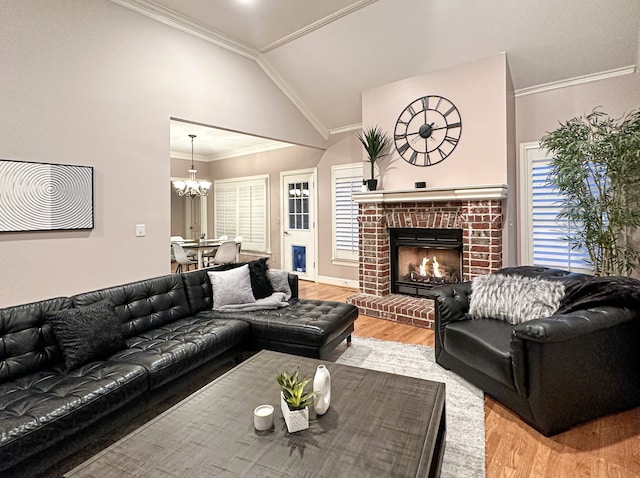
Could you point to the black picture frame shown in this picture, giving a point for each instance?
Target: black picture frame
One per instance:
(45, 197)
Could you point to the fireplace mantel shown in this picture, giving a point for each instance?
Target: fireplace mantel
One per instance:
(463, 193)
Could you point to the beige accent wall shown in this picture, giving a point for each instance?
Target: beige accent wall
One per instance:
(89, 82)
(479, 91)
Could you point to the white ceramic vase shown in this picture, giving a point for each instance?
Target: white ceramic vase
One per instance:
(296, 420)
(322, 387)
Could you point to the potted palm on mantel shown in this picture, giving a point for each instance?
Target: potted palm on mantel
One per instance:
(376, 144)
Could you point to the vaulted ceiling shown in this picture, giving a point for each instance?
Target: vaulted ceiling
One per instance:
(324, 53)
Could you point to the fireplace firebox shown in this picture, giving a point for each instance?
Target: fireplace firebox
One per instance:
(424, 258)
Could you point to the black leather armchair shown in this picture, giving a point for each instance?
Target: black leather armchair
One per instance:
(554, 372)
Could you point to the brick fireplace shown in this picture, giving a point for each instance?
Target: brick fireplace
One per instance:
(476, 210)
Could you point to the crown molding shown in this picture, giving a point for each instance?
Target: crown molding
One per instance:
(346, 129)
(236, 153)
(288, 91)
(578, 80)
(187, 25)
(247, 151)
(316, 25)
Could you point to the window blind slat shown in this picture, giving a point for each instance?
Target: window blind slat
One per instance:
(550, 247)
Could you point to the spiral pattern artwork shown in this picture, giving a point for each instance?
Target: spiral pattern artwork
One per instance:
(44, 197)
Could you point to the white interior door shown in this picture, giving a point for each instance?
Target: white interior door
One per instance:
(195, 217)
(299, 223)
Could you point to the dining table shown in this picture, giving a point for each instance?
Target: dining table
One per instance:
(201, 246)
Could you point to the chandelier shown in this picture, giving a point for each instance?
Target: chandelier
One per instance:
(192, 187)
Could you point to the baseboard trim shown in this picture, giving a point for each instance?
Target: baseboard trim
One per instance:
(338, 281)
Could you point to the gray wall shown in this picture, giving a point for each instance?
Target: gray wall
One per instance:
(89, 82)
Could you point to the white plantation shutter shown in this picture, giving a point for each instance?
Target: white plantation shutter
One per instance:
(548, 244)
(241, 209)
(346, 180)
(225, 199)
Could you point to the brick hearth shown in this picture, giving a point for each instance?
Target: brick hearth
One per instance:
(479, 218)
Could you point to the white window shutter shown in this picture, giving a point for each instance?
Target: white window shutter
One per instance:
(346, 180)
(241, 208)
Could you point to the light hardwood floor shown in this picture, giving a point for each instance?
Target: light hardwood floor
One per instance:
(602, 448)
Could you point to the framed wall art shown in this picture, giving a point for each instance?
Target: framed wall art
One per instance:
(45, 197)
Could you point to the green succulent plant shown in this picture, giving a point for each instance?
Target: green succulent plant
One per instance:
(293, 390)
(375, 143)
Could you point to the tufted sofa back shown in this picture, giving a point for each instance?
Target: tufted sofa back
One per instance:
(145, 304)
(198, 289)
(27, 343)
(567, 278)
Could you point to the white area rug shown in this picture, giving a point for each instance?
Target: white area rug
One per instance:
(464, 453)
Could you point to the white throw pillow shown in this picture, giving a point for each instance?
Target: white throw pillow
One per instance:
(231, 287)
(514, 299)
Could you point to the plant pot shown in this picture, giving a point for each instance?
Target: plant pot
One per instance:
(296, 420)
(372, 184)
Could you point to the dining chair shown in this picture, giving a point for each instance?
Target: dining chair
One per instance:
(209, 254)
(180, 239)
(181, 257)
(238, 241)
(226, 253)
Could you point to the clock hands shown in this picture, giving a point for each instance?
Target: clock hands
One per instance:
(426, 129)
(452, 125)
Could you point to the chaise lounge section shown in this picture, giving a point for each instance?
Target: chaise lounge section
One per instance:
(169, 331)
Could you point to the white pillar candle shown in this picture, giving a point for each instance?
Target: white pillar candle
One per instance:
(263, 417)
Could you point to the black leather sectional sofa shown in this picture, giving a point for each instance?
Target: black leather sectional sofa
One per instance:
(169, 329)
(578, 363)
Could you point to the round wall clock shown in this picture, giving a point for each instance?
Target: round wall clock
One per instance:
(428, 130)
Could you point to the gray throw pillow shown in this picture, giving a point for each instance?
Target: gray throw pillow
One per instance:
(231, 287)
(514, 299)
(87, 333)
(280, 282)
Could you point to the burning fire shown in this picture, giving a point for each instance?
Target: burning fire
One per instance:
(436, 267)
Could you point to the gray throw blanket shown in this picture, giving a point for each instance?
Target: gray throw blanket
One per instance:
(274, 301)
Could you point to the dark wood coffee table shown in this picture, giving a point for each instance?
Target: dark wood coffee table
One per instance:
(378, 425)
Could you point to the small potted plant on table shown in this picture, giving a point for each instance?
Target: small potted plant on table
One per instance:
(295, 401)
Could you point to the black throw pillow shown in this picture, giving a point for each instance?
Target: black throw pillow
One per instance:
(87, 333)
(260, 283)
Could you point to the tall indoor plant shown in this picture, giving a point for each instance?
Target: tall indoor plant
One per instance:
(376, 144)
(596, 167)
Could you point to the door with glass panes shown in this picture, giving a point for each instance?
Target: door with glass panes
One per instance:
(298, 223)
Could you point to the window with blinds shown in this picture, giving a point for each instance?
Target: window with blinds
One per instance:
(346, 180)
(241, 209)
(549, 244)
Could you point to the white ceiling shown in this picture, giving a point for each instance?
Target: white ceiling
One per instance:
(325, 53)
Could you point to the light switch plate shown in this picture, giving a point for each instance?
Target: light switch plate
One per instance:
(140, 230)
